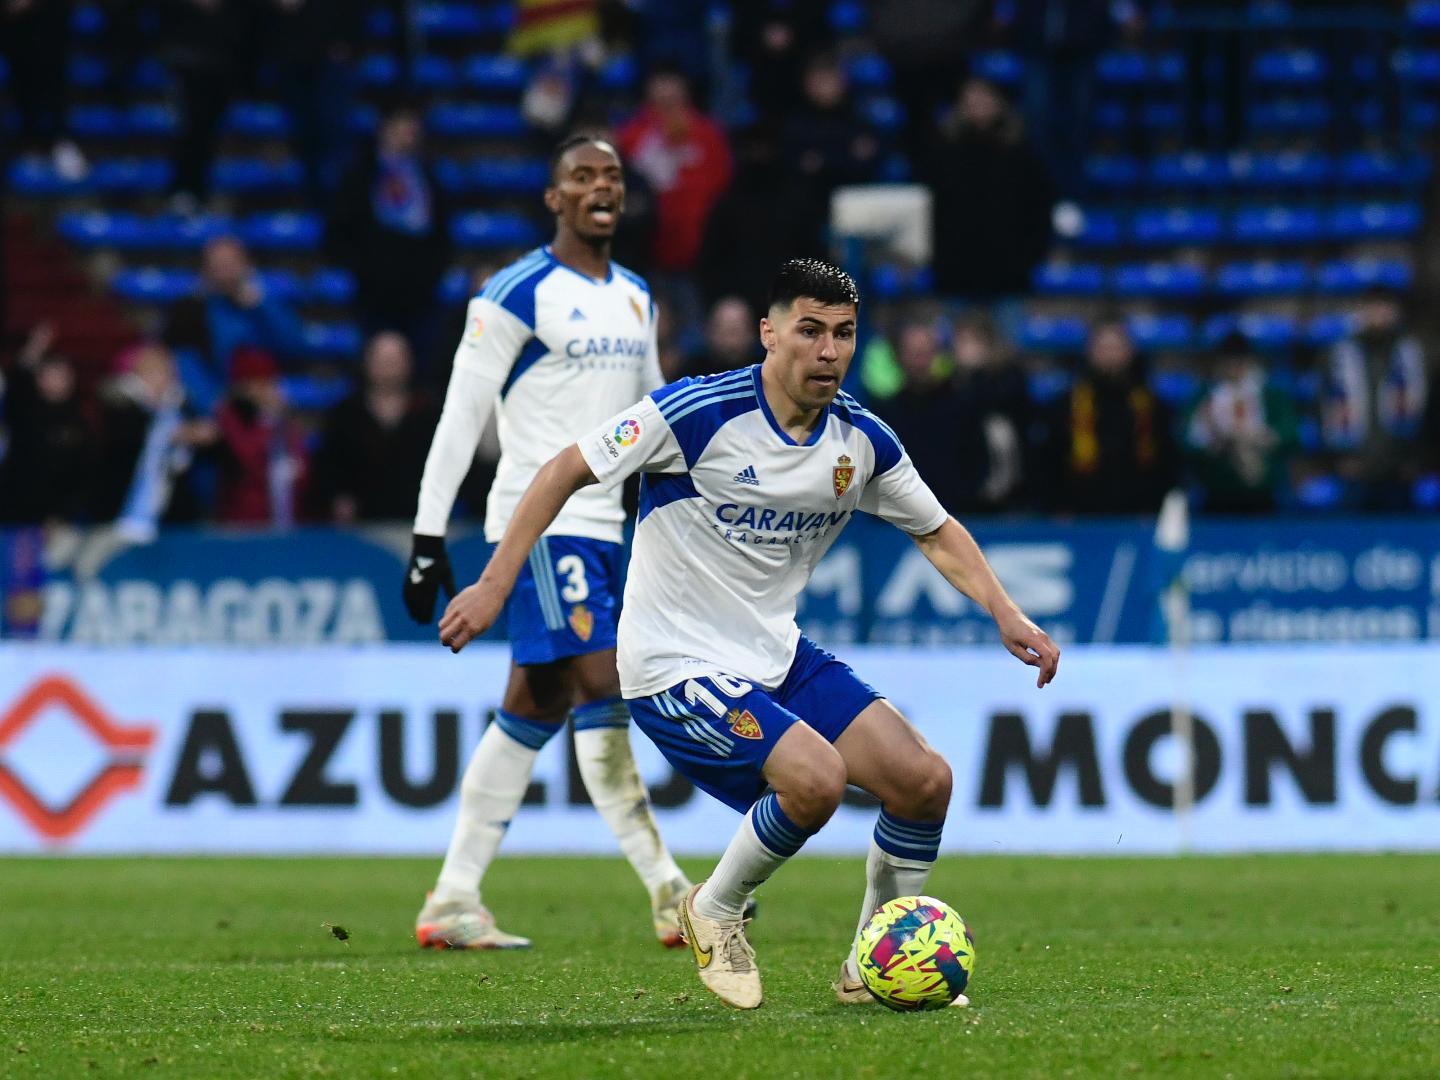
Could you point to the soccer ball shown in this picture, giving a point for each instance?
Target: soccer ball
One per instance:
(916, 953)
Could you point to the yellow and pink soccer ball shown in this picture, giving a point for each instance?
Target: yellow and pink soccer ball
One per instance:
(916, 953)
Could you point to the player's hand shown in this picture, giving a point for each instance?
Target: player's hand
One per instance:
(1029, 644)
(427, 571)
(473, 611)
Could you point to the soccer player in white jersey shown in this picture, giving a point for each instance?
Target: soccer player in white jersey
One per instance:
(555, 343)
(748, 478)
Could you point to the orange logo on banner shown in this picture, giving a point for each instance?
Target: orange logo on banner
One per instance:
(123, 772)
(582, 621)
(844, 473)
(744, 724)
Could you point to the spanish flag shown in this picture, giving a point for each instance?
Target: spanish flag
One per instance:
(543, 26)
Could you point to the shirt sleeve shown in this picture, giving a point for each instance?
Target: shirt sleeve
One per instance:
(899, 496)
(637, 439)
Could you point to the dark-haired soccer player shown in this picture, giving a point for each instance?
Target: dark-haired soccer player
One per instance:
(748, 479)
(555, 342)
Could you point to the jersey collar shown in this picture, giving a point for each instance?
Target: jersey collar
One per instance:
(775, 425)
(609, 269)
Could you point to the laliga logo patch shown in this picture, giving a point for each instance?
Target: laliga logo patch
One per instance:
(477, 327)
(582, 621)
(744, 724)
(844, 474)
(627, 432)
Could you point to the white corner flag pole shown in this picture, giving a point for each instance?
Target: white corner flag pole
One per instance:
(1172, 539)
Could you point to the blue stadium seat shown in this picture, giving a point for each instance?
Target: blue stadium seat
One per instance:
(1330, 327)
(1110, 115)
(1177, 225)
(154, 121)
(475, 121)
(1099, 228)
(999, 66)
(380, 23)
(1161, 115)
(129, 231)
(1265, 331)
(1421, 66)
(151, 285)
(1293, 169)
(1356, 275)
(1174, 387)
(1154, 332)
(1374, 168)
(331, 286)
(333, 339)
(848, 16)
(889, 282)
(519, 176)
(35, 177)
(451, 174)
(131, 176)
(1193, 171)
(282, 284)
(98, 121)
(1322, 493)
(619, 73)
(87, 71)
(496, 74)
(1276, 225)
(481, 230)
(885, 114)
(1045, 387)
(87, 20)
(869, 72)
(455, 287)
(1425, 495)
(186, 233)
(314, 394)
(151, 75)
(435, 73)
(1290, 67)
(364, 119)
(452, 20)
(246, 175)
(1425, 15)
(1112, 172)
(1375, 220)
(1122, 67)
(4, 71)
(1262, 278)
(1290, 116)
(379, 70)
(1159, 279)
(258, 119)
(282, 231)
(1060, 279)
(1049, 333)
(1423, 115)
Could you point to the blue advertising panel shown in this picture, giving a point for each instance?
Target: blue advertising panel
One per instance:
(1088, 582)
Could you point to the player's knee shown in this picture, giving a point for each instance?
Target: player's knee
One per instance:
(816, 790)
(931, 788)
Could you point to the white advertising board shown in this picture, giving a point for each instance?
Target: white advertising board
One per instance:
(360, 750)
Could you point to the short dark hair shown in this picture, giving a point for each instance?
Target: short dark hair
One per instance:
(565, 145)
(816, 279)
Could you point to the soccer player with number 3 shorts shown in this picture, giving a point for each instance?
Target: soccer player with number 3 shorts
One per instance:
(747, 479)
(561, 339)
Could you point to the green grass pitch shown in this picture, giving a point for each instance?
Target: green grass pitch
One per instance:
(1284, 966)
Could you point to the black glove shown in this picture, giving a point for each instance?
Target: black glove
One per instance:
(429, 569)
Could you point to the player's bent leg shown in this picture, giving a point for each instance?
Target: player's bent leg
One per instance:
(886, 756)
(603, 754)
(454, 916)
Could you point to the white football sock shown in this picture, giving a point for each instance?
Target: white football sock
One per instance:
(765, 839)
(494, 784)
(607, 766)
(887, 876)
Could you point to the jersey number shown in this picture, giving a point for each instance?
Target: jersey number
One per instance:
(734, 688)
(572, 569)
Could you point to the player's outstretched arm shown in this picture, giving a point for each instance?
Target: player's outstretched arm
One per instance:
(955, 554)
(475, 609)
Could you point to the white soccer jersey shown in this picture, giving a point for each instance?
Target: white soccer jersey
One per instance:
(734, 517)
(560, 351)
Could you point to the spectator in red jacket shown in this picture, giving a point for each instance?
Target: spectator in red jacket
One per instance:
(264, 467)
(683, 156)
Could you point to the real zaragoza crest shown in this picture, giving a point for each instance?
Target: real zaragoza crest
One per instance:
(844, 473)
(582, 621)
(744, 724)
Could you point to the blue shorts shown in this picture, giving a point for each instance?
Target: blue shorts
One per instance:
(566, 600)
(717, 730)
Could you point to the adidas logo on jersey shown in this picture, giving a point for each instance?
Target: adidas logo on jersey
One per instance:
(577, 315)
(747, 476)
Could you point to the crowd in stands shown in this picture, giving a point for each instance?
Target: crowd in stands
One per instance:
(224, 412)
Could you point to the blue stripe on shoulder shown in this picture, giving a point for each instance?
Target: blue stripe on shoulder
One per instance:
(533, 350)
(505, 276)
(632, 277)
(662, 489)
(888, 450)
(672, 398)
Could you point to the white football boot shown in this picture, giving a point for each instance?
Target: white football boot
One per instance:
(723, 956)
(849, 990)
(460, 925)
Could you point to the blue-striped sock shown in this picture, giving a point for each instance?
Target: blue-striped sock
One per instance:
(609, 713)
(529, 733)
(918, 841)
(765, 839)
(902, 854)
